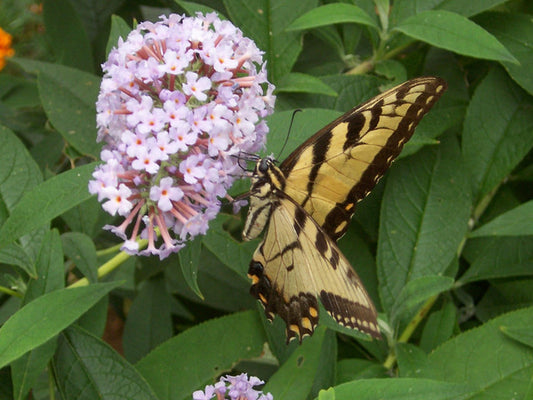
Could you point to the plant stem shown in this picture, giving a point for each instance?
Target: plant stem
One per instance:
(10, 292)
(110, 265)
(410, 328)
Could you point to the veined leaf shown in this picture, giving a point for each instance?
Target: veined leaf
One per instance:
(456, 33)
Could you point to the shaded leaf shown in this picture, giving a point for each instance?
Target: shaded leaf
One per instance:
(265, 22)
(149, 322)
(438, 327)
(88, 368)
(515, 32)
(515, 222)
(68, 96)
(294, 379)
(197, 356)
(493, 147)
(189, 258)
(498, 257)
(119, 29)
(82, 252)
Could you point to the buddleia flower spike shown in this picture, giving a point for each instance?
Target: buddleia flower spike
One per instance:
(179, 98)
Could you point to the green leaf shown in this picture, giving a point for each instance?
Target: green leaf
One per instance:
(498, 257)
(233, 254)
(149, 322)
(402, 389)
(515, 222)
(46, 201)
(40, 320)
(68, 96)
(330, 14)
(82, 252)
(66, 35)
(456, 33)
(421, 192)
(410, 359)
(119, 29)
(493, 147)
(522, 335)
(197, 356)
(189, 258)
(302, 83)
(515, 32)
(416, 291)
(406, 8)
(350, 369)
(438, 327)
(265, 22)
(50, 270)
(192, 8)
(87, 368)
(18, 175)
(486, 359)
(294, 379)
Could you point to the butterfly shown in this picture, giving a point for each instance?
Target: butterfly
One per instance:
(306, 203)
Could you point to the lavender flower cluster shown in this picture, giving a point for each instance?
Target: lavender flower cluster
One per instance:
(180, 99)
(238, 387)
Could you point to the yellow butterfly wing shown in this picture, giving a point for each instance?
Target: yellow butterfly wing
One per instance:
(297, 263)
(339, 165)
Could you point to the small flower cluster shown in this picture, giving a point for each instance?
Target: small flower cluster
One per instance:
(5, 48)
(180, 100)
(235, 388)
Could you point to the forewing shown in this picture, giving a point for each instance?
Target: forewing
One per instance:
(339, 165)
(296, 263)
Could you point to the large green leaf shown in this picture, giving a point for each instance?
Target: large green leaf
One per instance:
(46, 201)
(265, 21)
(68, 96)
(87, 368)
(424, 216)
(485, 358)
(497, 131)
(515, 222)
(19, 174)
(50, 271)
(67, 38)
(45, 317)
(515, 31)
(456, 33)
(149, 322)
(329, 14)
(295, 378)
(498, 257)
(197, 356)
(401, 389)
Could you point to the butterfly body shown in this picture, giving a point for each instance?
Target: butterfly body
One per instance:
(305, 206)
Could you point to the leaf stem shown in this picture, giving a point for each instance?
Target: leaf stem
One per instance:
(10, 292)
(110, 265)
(410, 328)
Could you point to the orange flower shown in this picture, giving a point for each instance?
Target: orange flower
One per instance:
(5, 47)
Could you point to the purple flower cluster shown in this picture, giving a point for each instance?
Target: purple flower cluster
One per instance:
(233, 387)
(180, 99)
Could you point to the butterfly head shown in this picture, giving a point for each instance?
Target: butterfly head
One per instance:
(263, 165)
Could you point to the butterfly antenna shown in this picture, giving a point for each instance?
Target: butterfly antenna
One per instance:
(289, 131)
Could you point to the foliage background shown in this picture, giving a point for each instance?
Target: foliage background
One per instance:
(444, 243)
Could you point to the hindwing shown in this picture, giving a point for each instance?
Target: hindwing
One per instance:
(297, 263)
